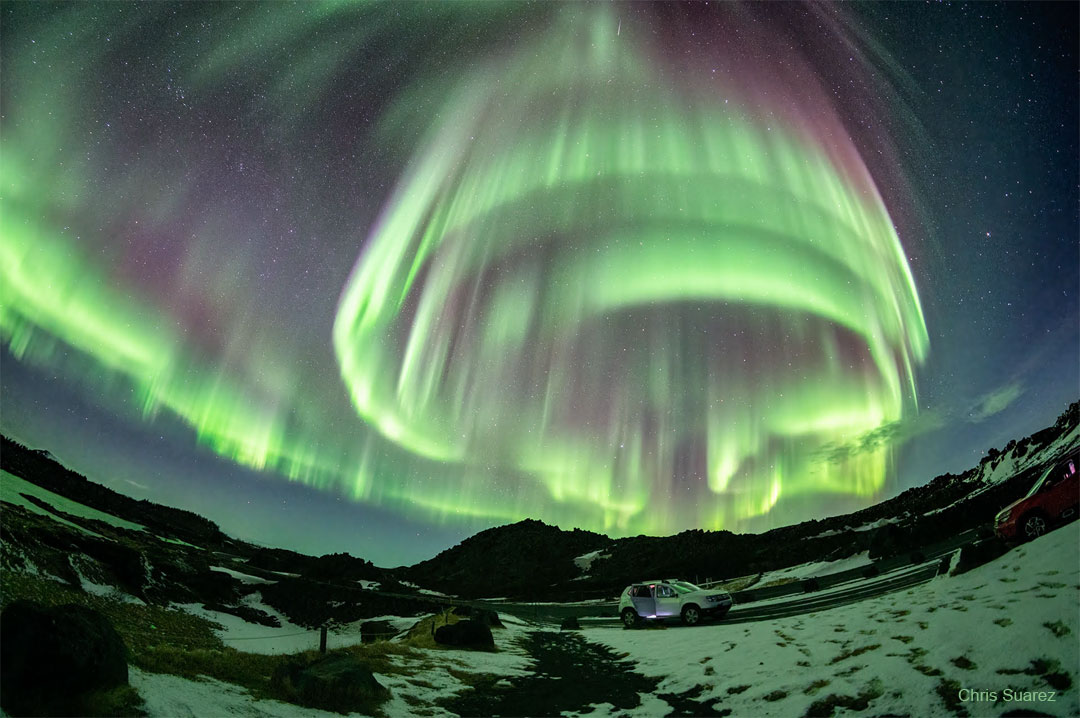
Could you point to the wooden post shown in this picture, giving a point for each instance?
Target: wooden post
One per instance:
(322, 639)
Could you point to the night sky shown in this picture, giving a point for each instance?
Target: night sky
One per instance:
(372, 277)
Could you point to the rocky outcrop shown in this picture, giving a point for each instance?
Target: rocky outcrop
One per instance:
(54, 657)
(336, 682)
(483, 615)
(372, 631)
(466, 634)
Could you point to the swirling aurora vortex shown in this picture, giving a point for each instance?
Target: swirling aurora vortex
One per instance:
(600, 294)
(641, 303)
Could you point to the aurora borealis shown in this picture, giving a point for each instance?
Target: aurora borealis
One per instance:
(627, 268)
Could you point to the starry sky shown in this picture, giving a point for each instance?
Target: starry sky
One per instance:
(373, 277)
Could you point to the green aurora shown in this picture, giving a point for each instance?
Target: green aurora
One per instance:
(598, 295)
(548, 293)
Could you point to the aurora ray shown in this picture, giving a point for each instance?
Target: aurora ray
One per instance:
(632, 296)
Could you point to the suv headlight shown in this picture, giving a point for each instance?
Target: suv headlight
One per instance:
(1002, 517)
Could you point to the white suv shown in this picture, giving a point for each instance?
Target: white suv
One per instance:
(671, 597)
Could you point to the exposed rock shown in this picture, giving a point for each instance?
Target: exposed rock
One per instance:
(337, 682)
(978, 553)
(340, 567)
(487, 617)
(465, 634)
(53, 657)
(371, 631)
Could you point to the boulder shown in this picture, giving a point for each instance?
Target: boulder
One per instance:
(978, 553)
(570, 623)
(53, 657)
(371, 631)
(487, 617)
(337, 682)
(465, 634)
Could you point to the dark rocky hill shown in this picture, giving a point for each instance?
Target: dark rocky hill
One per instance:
(507, 558)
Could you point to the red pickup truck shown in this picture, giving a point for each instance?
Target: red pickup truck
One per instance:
(1053, 498)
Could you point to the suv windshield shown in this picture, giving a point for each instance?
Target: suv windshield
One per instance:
(1039, 483)
(684, 586)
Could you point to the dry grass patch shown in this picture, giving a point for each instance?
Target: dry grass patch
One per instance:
(1058, 628)
(141, 626)
(825, 707)
(855, 652)
(422, 634)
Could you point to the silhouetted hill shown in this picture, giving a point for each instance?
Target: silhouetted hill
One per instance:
(39, 467)
(528, 553)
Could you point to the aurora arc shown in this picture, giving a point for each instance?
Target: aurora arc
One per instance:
(606, 298)
(535, 297)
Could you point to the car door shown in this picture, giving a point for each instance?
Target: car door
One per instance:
(667, 601)
(644, 601)
(1062, 494)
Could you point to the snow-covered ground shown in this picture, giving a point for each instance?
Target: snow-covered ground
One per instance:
(429, 677)
(983, 641)
(998, 638)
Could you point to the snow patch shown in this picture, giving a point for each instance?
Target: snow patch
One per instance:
(585, 560)
(814, 569)
(242, 577)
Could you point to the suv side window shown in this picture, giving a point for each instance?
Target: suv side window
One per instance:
(640, 592)
(664, 591)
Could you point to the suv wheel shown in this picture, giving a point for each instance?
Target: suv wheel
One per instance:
(1034, 526)
(691, 615)
(630, 618)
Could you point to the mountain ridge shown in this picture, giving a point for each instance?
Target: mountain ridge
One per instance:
(533, 560)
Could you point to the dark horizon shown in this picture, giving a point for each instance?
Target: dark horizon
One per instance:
(224, 527)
